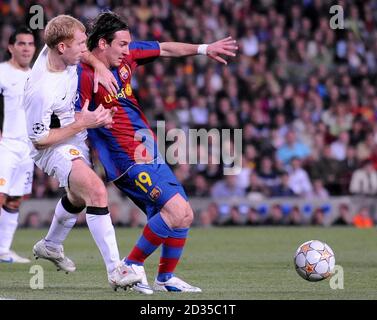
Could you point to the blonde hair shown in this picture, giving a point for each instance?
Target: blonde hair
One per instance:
(61, 28)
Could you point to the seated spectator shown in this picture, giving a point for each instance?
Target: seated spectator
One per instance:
(227, 188)
(344, 216)
(275, 217)
(363, 219)
(319, 191)
(364, 180)
(267, 174)
(295, 217)
(292, 149)
(283, 189)
(318, 218)
(209, 216)
(235, 218)
(299, 180)
(253, 218)
(256, 191)
(339, 146)
(328, 169)
(199, 188)
(33, 220)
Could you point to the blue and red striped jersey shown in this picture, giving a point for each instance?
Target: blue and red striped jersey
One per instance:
(130, 140)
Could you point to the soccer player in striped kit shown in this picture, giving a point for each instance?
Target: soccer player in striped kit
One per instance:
(128, 150)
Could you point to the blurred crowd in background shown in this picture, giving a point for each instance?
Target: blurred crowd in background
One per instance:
(304, 94)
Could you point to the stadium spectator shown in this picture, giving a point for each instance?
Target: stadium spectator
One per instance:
(283, 189)
(344, 216)
(292, 149)
(364, 180)
(299, 180)
(363, 219)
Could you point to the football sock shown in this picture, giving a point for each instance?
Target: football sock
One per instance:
(8, 226)
(154, 233)
(103, 233)
(64, 219)
(171, 252)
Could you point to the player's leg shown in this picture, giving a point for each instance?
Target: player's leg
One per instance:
(15, 181)
(151, 187)
(85, 184)
(178, 215)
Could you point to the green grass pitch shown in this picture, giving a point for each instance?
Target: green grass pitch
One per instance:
(227, 263)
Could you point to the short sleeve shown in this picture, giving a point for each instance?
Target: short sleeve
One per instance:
(143, 52)
(38, 110)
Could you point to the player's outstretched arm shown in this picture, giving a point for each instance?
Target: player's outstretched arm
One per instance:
(226, 47)
(102, 74)
(86, 119)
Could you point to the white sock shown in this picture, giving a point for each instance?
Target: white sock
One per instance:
(103, 234)
(61, 225)
(8, 226)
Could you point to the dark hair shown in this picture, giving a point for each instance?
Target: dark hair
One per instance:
(19, 30)
(105, 25)
(13, 36)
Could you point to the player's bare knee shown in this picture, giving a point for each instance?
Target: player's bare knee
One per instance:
(98, 196)
(189, 216)
(2, 199)
(13, 203)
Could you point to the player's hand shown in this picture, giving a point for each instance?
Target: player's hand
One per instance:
(226, 46)
(100, 117)
(113, 110)
(104, 76)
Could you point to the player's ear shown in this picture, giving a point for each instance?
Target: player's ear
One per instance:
(11, 48)
(102, 44)
(61, 47)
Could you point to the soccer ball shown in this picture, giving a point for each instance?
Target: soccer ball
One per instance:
(314, 260)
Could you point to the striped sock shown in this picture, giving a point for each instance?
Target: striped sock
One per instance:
(171, 252)
(154, 233)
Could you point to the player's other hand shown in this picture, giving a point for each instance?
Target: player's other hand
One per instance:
(226, 46)
(104, 76)
(100, 117)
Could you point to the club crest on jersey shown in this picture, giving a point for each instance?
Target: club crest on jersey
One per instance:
(2, 182)
(155, 193)
(74, 152)
(123, 72)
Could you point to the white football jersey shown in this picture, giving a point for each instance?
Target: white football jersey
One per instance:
(12, 83)
(49, 99)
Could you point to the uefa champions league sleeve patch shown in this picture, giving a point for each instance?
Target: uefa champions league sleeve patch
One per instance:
(38, 128)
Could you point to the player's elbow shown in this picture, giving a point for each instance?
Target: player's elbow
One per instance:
(41, 144)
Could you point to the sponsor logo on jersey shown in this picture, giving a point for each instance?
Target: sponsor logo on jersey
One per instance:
(122, 94)
(38, 128)
(74, 152)
(128, 89)
(2, 182)
(155, 193)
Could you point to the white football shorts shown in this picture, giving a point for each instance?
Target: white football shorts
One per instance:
(57, 160)
(16, 169)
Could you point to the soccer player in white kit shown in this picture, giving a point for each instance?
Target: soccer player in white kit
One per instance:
(16, 169)
(59, 148)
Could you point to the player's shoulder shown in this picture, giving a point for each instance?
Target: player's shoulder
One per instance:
(144, 45)
(85, 71)
(4, 67)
